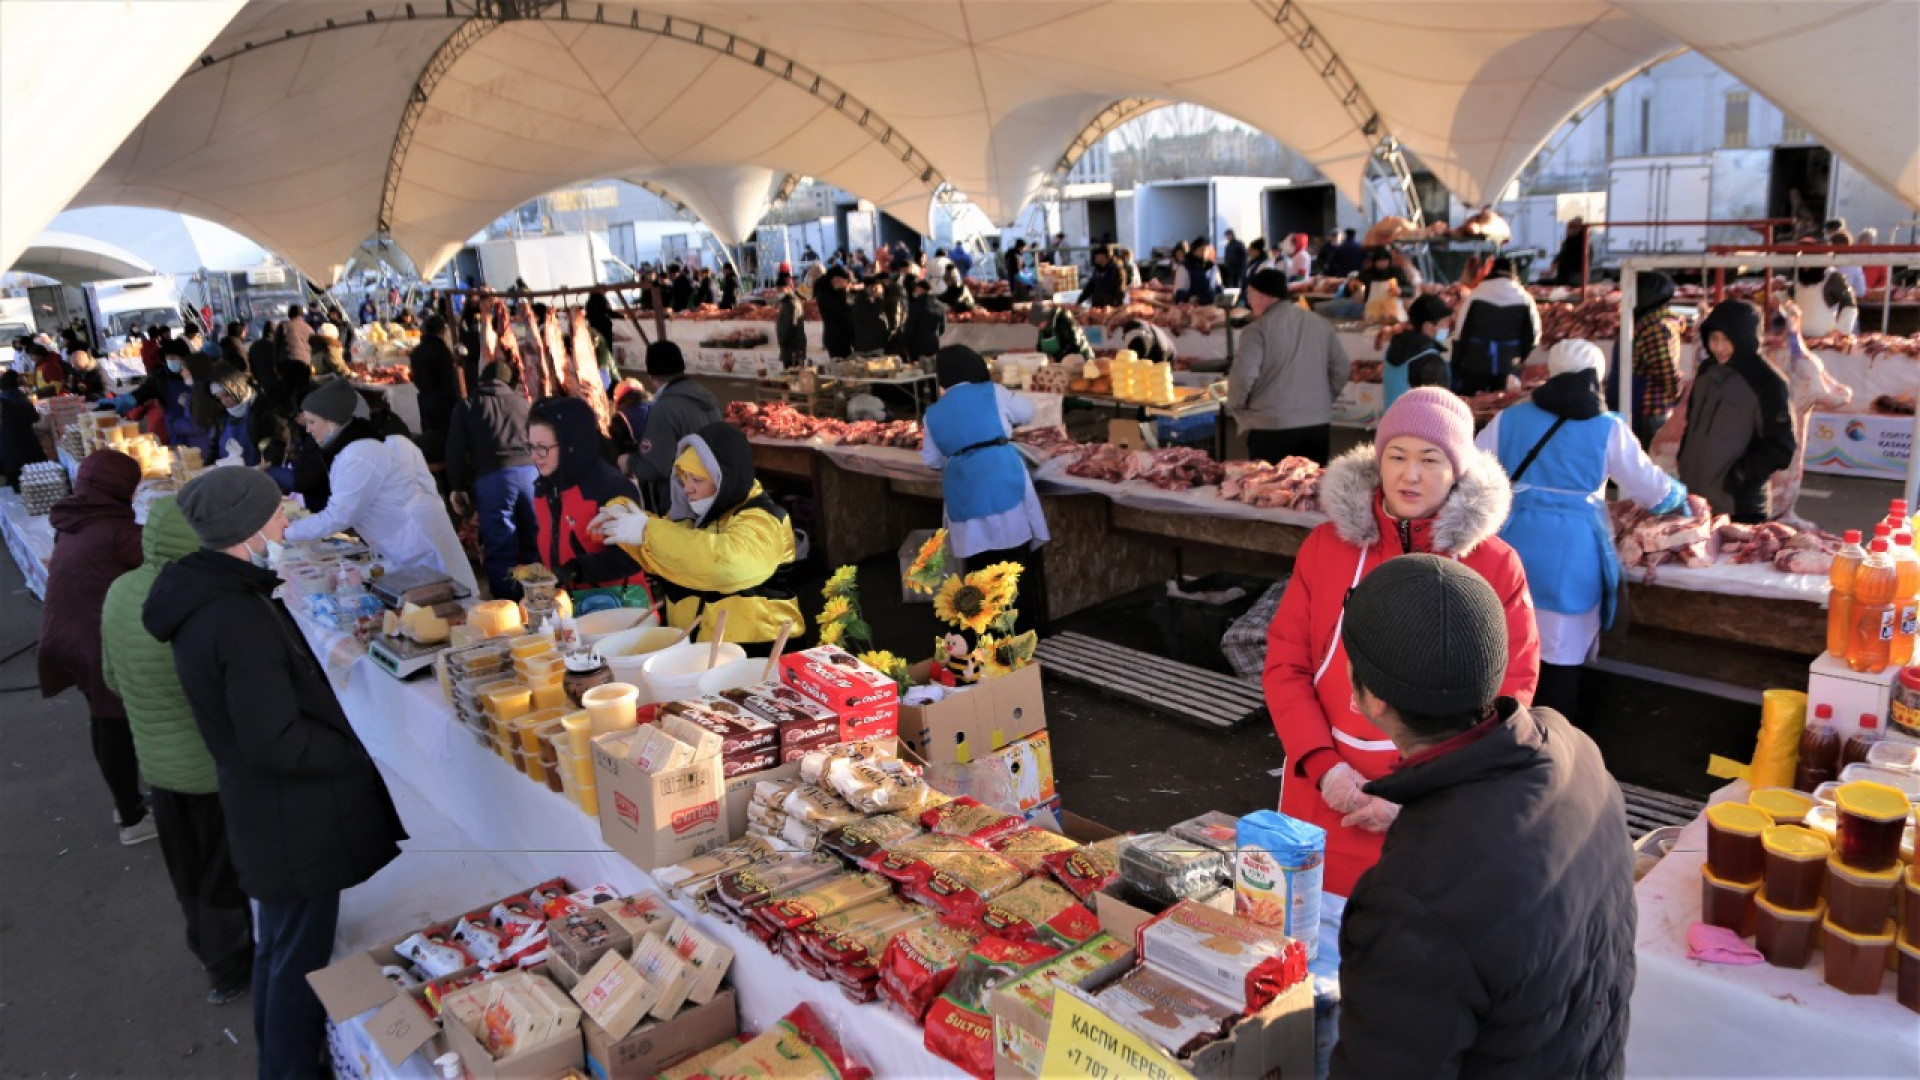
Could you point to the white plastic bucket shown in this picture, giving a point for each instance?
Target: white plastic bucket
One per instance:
(747, 672)
(674, 673)
(625, 651)
(596, 625)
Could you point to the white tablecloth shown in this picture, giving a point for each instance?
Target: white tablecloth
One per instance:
(29, 540)
(1692, 1019)
(480, 829)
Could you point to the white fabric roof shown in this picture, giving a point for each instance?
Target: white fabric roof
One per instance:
(171, 243)
(290, 140)
(75, 260)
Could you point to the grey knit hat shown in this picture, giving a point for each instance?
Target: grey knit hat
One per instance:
(1427, 636)
(332, 400)
(226, 506)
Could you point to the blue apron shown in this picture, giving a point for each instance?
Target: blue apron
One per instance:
(984, 475)
(1559, 524)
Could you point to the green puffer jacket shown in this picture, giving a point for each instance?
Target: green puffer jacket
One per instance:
(140, 668)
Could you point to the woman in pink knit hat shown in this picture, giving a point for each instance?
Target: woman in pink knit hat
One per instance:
(1422, 487)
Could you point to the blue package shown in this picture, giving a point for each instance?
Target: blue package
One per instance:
(1277, 874)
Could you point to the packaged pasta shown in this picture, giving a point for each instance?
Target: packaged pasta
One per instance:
(745, 889)
(919, 963)
(959, 1027)
(1029, 848)
(799, 1047)
(698, 1064)
(970, 818)
(864, 842)
(963, 881)
(825, 897)
(1086, 869)
(1023, 910)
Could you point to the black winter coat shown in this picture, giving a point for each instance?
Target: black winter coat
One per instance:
(436, 375)
(926, 321)
(1494, 938)
(307, 812)
(485, 434)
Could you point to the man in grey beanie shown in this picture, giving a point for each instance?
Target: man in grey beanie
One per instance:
(307, 812)
(1494, 937)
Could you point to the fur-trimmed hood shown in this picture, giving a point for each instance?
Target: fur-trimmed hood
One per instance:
(1475, 509)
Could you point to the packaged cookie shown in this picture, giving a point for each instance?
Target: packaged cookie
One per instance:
(740, 732)
(1167, 1012)
(1239, 961)
(820, 807)
(1212, 829)
(735, 765)
(1086, 869)
(968, 817)
(1029, 848)
(1162, 870)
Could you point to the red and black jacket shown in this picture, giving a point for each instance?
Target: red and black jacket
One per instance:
(566, 501)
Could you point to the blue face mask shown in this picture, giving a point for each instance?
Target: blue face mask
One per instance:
(1441, 335)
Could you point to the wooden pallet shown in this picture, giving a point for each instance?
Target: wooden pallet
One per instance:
(1648, 809)
(1182, 690)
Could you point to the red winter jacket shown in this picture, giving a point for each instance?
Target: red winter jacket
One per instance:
(1306, 677)
(567, 500)
(96, 540)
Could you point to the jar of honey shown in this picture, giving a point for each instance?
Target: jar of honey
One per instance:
(1859, 900)
(1785, 936)
(1734, 852)
(1727, 903)
(1910, 906)
(1856, 963)
(1871, 819)
(1784, 805)
(1796, 867)
(1907, 984)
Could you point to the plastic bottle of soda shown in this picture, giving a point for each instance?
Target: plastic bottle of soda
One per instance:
(1896, 508)
(1840, 594)
(1860, 741)
(1873, 588)
(1906, 600)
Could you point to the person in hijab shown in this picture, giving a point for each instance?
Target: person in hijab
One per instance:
(379, 488)
(990, 510)
(95, 541)
(725, 546)
(576, 483)
(1560, 448)
(244, 424)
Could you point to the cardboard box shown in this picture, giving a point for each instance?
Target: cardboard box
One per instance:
(543, 1062)
(1276, 1041)
(1122, 918)
(651, 1048)
(1020, 1030)
(976, 721)
(739, 793)
(659, 819)
(1025, 767)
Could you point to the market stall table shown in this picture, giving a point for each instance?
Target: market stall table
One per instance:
(29, 540)
(1698, 1019)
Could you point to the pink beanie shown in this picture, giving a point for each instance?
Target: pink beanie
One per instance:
(1432, 413)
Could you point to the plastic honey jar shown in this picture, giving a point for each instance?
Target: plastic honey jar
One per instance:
(1784, 936)
(1871, 819)
(1784, 805)
(1907, 986)
(1727, 903)
(1734, 851)
(1859, 900)
(1856, 963)
(1796, 865)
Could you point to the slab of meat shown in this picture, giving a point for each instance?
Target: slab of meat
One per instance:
(583, 374)
(1047, 443)
(1294, 483)
(1106, 462)
(1181, 469)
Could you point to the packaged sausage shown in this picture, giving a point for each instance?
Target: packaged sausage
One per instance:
(1029, 848)
(1162, 870)
(1086, 869)
(1236, 960)
(799, 1047)
(919, 963)
(968, 817)
(1166, 1011)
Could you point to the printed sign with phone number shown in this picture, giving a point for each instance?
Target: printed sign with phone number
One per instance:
(1084, 1043)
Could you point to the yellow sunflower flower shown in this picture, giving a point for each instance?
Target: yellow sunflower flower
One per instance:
(838, 610)
(830, 633)
(987, 655)
(962, 603)
(929, 564)
(888, 664)
(842, 582)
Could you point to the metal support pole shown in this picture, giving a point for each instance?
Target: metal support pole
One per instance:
(1623, 341)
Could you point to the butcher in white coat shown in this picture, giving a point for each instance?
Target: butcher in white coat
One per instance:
(379, 488)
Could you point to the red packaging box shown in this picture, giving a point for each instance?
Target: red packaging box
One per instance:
(826, 738)
(835, 678)
(777, 704)
(753, 761)
(878, 723)
(741, 732)
(807, 734)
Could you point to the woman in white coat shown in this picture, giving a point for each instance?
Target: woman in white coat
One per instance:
(380, 488)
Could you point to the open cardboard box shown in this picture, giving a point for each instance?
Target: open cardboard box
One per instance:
(1020, 1030)
(739, 794)
(541, 1062)
(974, 722)
(651, 1048)
(657, 819)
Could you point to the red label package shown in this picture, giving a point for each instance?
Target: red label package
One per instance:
(866, 700)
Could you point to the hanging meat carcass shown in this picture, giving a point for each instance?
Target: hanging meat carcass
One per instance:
(583, 375)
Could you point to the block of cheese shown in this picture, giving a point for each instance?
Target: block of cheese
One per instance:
(495, 618)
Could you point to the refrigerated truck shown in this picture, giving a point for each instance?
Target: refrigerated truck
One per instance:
(122, 303)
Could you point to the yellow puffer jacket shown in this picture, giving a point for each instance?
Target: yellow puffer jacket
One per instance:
(735, 554)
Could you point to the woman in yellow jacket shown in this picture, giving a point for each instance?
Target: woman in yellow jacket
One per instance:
(723, 546)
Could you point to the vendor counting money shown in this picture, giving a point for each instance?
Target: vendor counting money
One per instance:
(723, 546)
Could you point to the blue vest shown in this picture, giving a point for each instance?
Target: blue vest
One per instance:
(1559, 521)
(235, 428)
(984, 475)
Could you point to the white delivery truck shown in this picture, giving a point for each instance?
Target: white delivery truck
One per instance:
(16, 321)
(121, 304)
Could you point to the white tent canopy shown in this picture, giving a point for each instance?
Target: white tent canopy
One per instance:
(311, 137)
(75, 260)
(170, 243)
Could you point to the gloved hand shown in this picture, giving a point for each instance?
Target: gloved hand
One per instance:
(1341, 788)
(621, 524)
(1374, 815)
(232, 454)
(461, 502)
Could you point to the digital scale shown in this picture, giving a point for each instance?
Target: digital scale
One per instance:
(401, 656)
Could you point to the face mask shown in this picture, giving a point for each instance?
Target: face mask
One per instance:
(237, 410)
(1441, 335)
(701, 506)
(173, 365)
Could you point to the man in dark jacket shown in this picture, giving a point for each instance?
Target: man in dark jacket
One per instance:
(307, 813)
(436, 376)
(926, 321)
(1233, 261)
(874, 324)
(680, 408)
(1499, 326)
(836, 313)
(1012, 265)
(1739, 425)
(1104, 287)
(1494, 938)
(19, 443)
(489, 469)
(789, 326)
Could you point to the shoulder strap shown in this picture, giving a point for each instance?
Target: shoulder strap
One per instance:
(1535, 452)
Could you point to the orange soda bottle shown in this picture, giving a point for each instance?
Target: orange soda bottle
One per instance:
(1896, 513)
(1873, 588)
(1840, 595)
(1906, 600)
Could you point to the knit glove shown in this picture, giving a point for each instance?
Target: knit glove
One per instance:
(232, 454)
(622, 524)
(1341, 788)
(1374, 815)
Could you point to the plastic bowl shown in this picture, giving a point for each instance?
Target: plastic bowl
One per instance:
(598, 624)
(674, 673)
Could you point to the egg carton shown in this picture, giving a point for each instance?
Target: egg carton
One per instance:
(42, 484)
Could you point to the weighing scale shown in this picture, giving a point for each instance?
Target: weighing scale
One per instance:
(401, 656)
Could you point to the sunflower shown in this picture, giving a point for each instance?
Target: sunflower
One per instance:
(888, 664)
(962, 603)
(987, 655)
(842, 583)
(839, 609)
(1002, 656)
(830, 633)
(1001, 582)
(929, 564)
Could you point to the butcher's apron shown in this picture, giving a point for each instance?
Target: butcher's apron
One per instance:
(1565, 541)
(984, 475)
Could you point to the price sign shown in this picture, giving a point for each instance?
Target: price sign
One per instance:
(1086, 1044)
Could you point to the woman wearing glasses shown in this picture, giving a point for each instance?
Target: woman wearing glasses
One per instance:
(576, 482)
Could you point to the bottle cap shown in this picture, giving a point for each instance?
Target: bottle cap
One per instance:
(1869, 721)
(1879, 545)
(1823, 712)
(1897, 506)
(1904, 539)
(1852, 536)
(1882, 530)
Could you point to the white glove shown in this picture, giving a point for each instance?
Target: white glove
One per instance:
(621, 525)
(1375, 815)
(1341, 788)
(232, 454)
